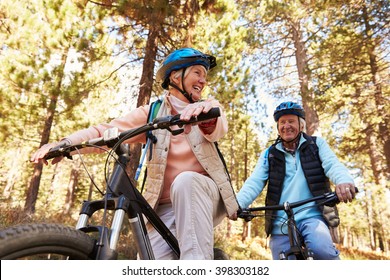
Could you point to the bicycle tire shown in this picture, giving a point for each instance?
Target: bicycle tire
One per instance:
(45, 241)
(219, 254)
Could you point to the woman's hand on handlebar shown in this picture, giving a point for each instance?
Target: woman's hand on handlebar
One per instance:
(233, 217)
(40, 154)
(195, 109)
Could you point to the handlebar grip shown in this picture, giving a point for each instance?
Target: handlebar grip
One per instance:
(175, 120)
(212, 114)
(57, 151)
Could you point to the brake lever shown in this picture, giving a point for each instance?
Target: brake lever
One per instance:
(331, 199)
(58, 151)
(168, 121)
(176, 132)
(163, 122)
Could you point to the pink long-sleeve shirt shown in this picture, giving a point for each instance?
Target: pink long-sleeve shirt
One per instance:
(180, 155)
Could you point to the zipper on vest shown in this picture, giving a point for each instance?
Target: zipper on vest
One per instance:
(293, 153)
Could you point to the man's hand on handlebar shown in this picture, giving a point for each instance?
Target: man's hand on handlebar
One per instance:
(346, 192)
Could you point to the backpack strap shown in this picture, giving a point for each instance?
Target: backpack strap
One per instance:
(223, 160)
(154, 107)
(150, 138)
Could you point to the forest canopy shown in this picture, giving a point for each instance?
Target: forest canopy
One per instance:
(66, 65)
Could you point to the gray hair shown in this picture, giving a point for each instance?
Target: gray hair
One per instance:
(302, 124)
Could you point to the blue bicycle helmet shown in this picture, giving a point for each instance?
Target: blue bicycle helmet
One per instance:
(289, 108)
(182, 58)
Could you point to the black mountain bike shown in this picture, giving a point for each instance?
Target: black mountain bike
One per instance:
(298, 249)
(89, 241)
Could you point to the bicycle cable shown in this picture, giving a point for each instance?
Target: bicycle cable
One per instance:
(86, 169)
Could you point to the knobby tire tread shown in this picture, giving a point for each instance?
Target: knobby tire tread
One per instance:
(27, 240)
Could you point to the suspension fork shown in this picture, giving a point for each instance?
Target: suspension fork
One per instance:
(140, 232)
(108, 239)
(292, 232)
(117, 198)
(121, 184)
(294, 239)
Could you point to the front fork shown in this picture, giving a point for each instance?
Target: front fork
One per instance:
(297, 247)
(89, 208)
(109, 238)
(120, 193)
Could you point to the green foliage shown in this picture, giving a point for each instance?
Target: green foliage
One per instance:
(53, 49)
(56, 61)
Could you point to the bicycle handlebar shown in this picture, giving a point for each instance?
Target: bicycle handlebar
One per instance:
(329, 199)
(111, 136)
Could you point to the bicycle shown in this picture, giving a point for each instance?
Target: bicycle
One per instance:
(298, 248)
(56, 241)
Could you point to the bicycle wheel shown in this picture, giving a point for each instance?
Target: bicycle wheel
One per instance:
(45, 241)
(220, 254)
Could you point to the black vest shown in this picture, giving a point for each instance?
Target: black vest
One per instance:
(314, 173)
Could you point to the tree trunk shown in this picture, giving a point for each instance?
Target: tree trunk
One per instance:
(244, 234)
(228, 228)
(374, 153)
(32, 191)
(312, 121)
(33, 188)
(191, 9)
(234, 177)
(145, 92)
(370, 221)
(69, 199)
(380, 102)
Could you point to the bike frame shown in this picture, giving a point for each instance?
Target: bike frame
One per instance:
(124, 198)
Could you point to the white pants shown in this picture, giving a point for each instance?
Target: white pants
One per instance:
(195, 210)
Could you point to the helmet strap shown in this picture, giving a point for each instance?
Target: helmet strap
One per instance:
(183, 91)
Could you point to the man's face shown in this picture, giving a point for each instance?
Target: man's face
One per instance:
(288, 127)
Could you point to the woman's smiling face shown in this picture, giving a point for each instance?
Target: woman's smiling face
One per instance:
(195, 81)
